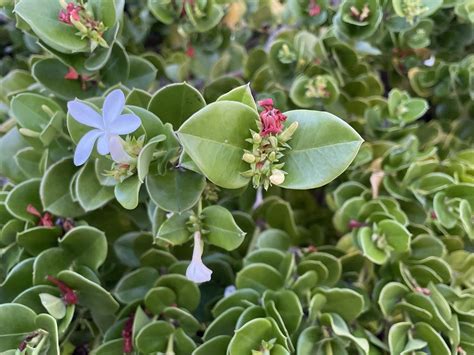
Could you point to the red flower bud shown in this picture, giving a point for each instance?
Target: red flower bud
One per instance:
(190, 52)
(314, 9)
(72, 74)
(127, 334)
(45, 220)
(356, 224)
(266, 103)
(69, 296)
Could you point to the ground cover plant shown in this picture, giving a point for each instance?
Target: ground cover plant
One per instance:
(235, 177)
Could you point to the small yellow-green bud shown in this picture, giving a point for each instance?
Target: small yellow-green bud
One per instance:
(272, 156)
(288, 133)
(257, 138)
(80, 26)
(47, 110)
(248, 158)
(273, 141)
(29, 133)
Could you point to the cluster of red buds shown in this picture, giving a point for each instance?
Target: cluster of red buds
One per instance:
(68, 294)
(78, 16)
(70, 13)
(313, 8)
(45, 219)
(127, 335)
(267, 147)
(72, 74)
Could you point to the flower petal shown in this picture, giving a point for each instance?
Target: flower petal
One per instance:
(103, 145)
(119, 155)
(125, 124)
(85, 114)
(198, 272)
(113, 106)
(85, 146)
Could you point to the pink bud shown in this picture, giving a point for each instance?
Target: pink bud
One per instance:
(265, 102)
(313, 9)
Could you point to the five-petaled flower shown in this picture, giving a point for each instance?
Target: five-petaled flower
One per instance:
(197, 271)
(271, 118)
(106, 128)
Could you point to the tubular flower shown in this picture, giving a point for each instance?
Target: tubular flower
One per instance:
(197, 271)
(106, 128)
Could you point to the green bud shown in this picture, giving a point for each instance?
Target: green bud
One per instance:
(272, 156)
(80, 26)
(248, 158)
(257, 138)
(29, 133)
(286, 135)
(47, 110)
(248, 173)
(273, 141)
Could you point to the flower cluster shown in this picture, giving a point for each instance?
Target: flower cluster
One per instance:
(45, 219)
(82, 19)
(271, 119)
(413, 9)
(360, 15)
(317, 88)
(267, 147)
(70, 13)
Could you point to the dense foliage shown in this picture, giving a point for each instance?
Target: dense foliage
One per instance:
(236, 177)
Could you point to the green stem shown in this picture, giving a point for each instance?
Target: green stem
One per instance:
(170, 346)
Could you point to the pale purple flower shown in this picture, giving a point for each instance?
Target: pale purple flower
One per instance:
(197, 271)
(106, 128)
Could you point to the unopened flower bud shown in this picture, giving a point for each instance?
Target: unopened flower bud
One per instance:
(273, 141)
(248, 158)
(248, 173)
(47, 110)
(277, 177)
(257, 138)
(288, 133)
(80, 26)
(272, 156)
